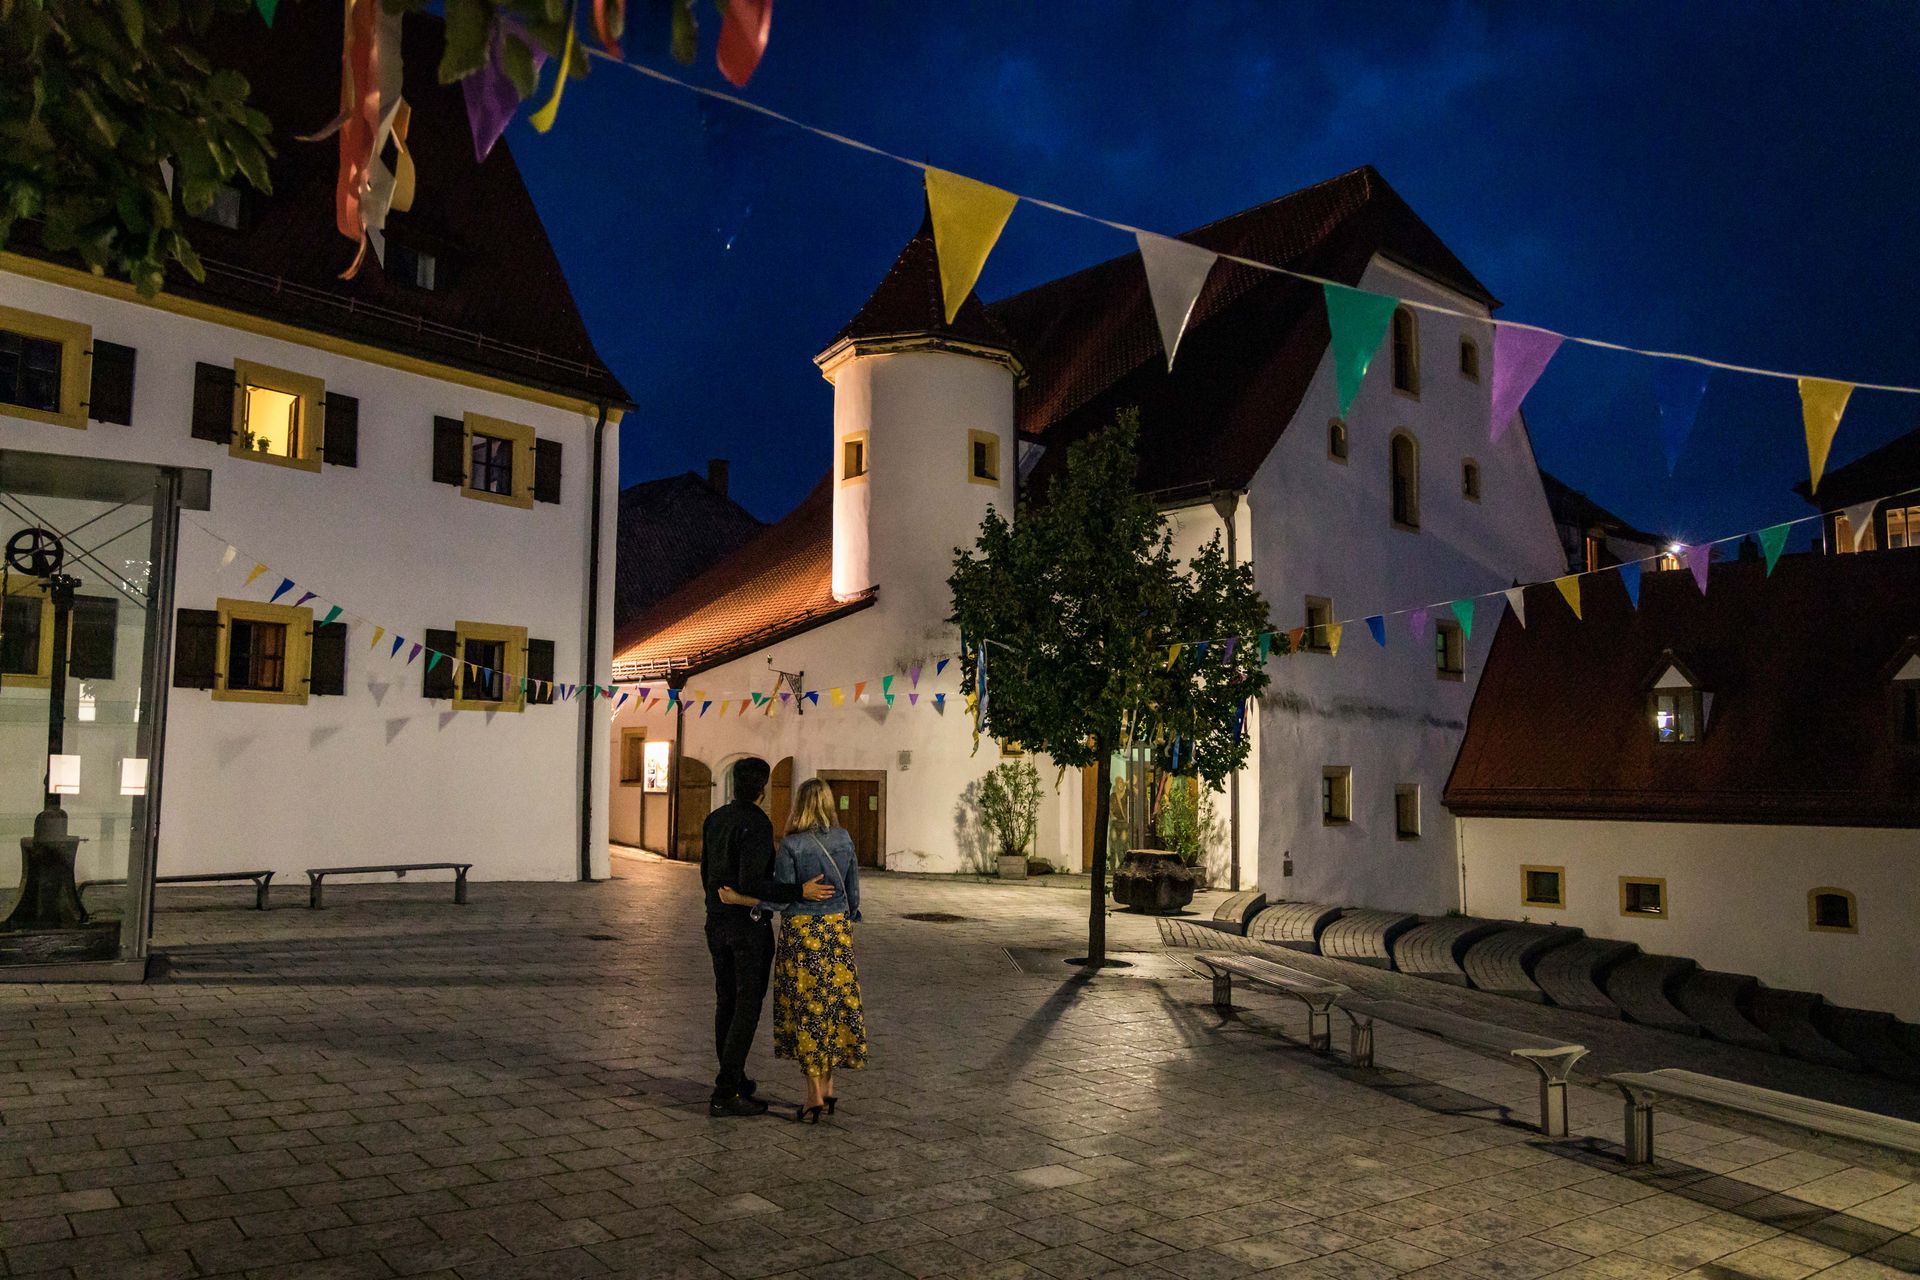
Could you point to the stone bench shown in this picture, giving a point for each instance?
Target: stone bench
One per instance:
(1320, 997)
(1366, 936)
(1643, 987)
(1641, 1090)
(1296, 926)
(1877, 1038)
(316, 875)
(1238, 910)
(262, 881)
(1574, 976)
(1552, 1059)
(1503, 962)
(1718, 1002)
(1433, 950)
(1790, 1018)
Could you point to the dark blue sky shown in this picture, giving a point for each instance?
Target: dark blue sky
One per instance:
(1733, 180)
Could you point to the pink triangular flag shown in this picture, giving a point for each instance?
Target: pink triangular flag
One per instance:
(1519, 356)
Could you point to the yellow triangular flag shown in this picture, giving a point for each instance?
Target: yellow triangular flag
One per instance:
(1173, 655)
(377, 633)
(258, 569)
(1333, 636)
(838, 699)
(968, 217)
(723, 705)
(1570, 591)
(1821, 404)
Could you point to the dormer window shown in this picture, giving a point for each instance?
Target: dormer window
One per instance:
(1679, 706)
(412, 266)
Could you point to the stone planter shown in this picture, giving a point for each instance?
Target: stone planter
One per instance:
(1013, 868)
(1153, 881)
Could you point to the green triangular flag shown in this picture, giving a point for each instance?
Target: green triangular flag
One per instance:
(1773, 541)
(1358, 320)
(1266, 644)
(1463, 610)
(267, 8)
(434, 660)
(331, 615)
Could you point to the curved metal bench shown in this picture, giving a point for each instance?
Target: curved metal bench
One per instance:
(1366, 936)
(1553, 1059)
(1503, 962)
(1237, 912)
(1874, 1037)
(1789, 1018)
(1573, 976)
(1320, 996)
(1718, 1002)
(1642, 1089)
(1296, 926)
(1642, 986)
(1433, 950)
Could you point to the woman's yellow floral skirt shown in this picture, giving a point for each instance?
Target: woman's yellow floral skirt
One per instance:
(816, 995)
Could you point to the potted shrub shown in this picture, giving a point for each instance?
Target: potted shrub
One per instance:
(1010, 808)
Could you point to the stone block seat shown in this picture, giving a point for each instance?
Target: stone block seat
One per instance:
(1294, 925)
(1878, 1039)
(1790, 1018)
(1718, 1003)
(1643, 986)
(1366, 936)
(1434, 948)
(1238, 910)
(1503, 962)
(1574, 976)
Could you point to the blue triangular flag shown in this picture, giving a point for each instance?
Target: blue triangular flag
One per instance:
(941, 665)
(1378, 625)
(397, 642)
(1630, 579)
(286, 585)
(1679, 385)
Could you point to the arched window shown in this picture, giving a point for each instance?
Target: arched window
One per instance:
(1469, 359)
(1404, 453)
(1831, 910)
(1470, 480)
(1406, 352)
(1337, 439)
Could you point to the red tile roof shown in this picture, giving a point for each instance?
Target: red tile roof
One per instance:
(1800, 729)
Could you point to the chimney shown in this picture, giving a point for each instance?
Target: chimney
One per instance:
(717, 475)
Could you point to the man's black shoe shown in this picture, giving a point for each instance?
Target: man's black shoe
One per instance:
(738, 1105)
(749, 1089)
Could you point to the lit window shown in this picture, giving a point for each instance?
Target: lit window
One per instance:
(265, 653)
(492, 663)
(1843, 536)
(1337, 439)
(1470, 480)
(1831, 911)
(1543, 886)
(1667, 562)
(983, 457)
(43, 368)
(1449, 650)
(257, 655)
(1676, 715)
(275, 413)
(1406, 811)
(1903, 527)
(853, 457)
(271, 422)
(491, 469)
(1642, 897)
(1319, 617)
(1406, 352)
(1404, 466)
(411, 266)
(1336, 794)
(1469, 359)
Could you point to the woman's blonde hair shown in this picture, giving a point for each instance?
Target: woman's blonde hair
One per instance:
(812, 807)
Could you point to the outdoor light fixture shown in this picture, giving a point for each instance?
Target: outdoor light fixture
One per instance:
(133, 777)
(63, 775)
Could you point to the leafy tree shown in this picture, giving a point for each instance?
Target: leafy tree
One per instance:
(1077, 605)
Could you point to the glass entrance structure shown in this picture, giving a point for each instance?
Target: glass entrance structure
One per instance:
(85, 644)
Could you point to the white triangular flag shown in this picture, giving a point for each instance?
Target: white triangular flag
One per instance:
(1517, 601)
(1859, 518)
(227, 556)
(1176, 272)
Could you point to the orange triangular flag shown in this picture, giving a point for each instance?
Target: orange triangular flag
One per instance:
(859, 690)
(1294, 637)
(968, 217)
(1570, 591)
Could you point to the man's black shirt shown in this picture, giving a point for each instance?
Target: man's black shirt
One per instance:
(739, 853)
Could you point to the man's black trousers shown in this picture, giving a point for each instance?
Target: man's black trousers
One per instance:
(742, 954)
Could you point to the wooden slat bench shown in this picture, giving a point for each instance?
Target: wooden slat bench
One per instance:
(316, 875)
(1320, 997)
(262, 881)
(1642, 1089)
(1552, 1059)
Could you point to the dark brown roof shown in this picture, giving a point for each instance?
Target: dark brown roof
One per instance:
(1892, 468)
(1572, 507)
(778, 584)
(670, 531)
(1091, 346)
(909, 302)
(1800, 729)
(505, 309)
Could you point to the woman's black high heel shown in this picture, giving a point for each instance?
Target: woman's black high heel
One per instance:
(832, 1102)
(806, 1115)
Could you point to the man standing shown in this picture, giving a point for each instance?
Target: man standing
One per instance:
(738, 854)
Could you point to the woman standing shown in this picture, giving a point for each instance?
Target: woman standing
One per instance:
(817, 1020)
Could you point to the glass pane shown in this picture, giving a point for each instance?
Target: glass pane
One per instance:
(272, 423)
(29, 371)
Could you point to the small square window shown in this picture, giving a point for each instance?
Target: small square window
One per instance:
(257, 656)
(983, 457)
(270, 421)
(1470, 480)
(1543, 886)
(1406, 811)
(1469, 359)
(44, 368)
(1337, 439)
(408, 265)
(1643, 897)
(492, 465)
(30, 371)
(1336, 795)
(1676, 715)
(492, 660)
(853, 457)
(26, 636)
(1831, 911)
(1449, 650)
(276, 416)
(1319, 618)
(265, 653)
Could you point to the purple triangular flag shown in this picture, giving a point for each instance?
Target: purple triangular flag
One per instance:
(913, 699)
(1519, 356)
(1698, 559)
(303, 599)
(913, 675)
(414, 654)
(490, 92)
(1233, 642)
(1417, 623)
(784, 695)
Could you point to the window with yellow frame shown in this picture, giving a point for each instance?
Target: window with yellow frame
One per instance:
(26, 636)
(265, 653)
(45, 366)
(983, 457)
(498, 465)
(853, 457)
(278, 416)
(490, 662)
(633, 757)
(1543, 886)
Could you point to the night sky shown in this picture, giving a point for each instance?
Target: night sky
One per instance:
(1737, 181)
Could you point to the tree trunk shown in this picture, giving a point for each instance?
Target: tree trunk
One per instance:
(1097, 907)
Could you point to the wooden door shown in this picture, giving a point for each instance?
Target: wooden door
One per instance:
(695, 801)
(778, 801)
(858, 805)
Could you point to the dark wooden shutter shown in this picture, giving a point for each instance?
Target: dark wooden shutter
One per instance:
(90, 642)
(196, 645)
(111, 399)
(213, 388)
(329, 660)
(438, 680)
(540, 667)
(341, 445)
(449, 451)
(546, 471)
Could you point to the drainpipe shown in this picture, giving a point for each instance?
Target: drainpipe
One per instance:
(1228, 505)
(587, 734)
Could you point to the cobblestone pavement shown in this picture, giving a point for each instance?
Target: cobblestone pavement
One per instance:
(398, 1086)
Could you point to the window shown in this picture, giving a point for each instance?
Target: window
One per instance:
(276, 416)
(1543, 886)
(264, 654)
(26, 636)
(1449, 650)
(228, 208)
(1643, 897)
(490, 465)
(1470, 480)
(1903, 527)
(853, 457)
(983, 457)
(410, 266)
(1011, 750)
(633, 757)
(43, 368)
(1406, 353)
(1336, 795)
(1319, 617)
(1404, 476)
(500, 462)
(1406, 811)
(1831, 911)
(1337, 439)
(492, 663)
(1469, 359)
(1843, 536)
(1676, 715)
